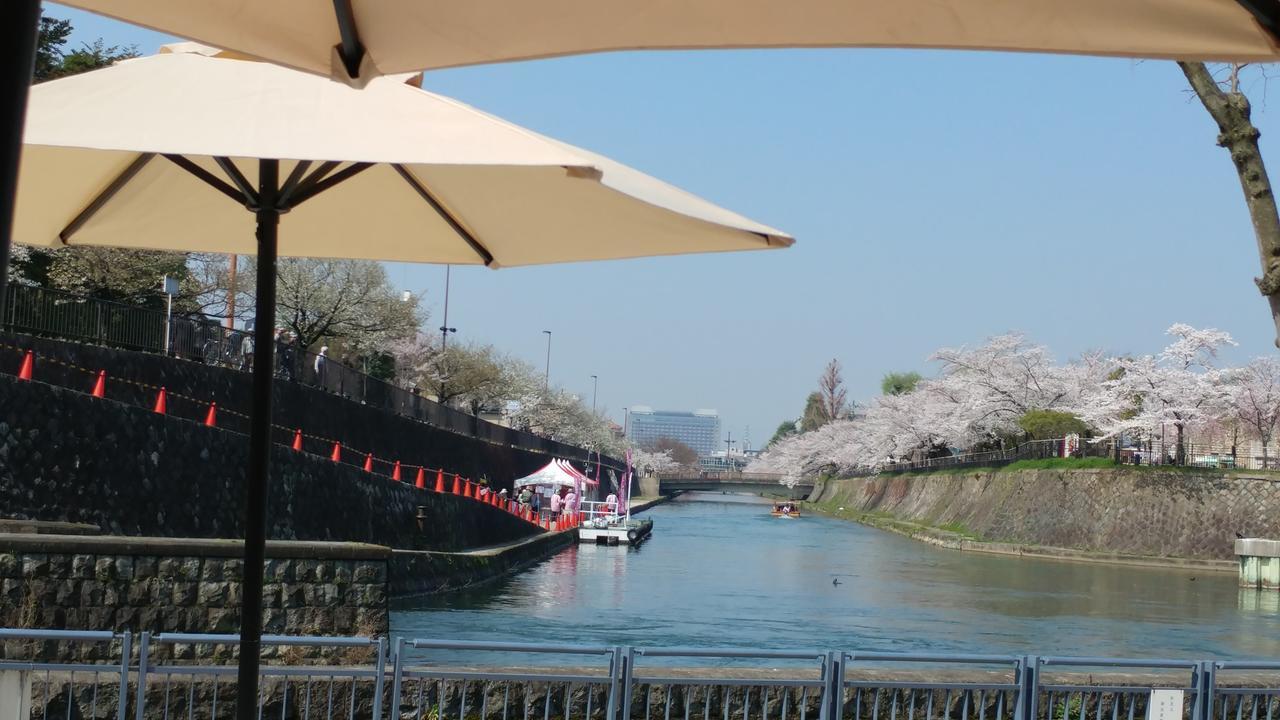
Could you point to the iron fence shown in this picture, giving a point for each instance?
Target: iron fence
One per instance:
(1145, 452)
(51, 674)
(53, 313)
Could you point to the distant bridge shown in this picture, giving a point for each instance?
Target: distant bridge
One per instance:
(755, 483)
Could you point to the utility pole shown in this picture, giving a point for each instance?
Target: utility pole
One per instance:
(728, 450)
(595, 385)
(546, 383)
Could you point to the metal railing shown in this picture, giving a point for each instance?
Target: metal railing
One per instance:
(190, 676)
(1153, 452)
(725, 476)
(53, 313)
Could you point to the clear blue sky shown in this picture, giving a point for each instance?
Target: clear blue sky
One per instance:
(938, 198)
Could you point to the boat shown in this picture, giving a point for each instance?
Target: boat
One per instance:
(788, 509)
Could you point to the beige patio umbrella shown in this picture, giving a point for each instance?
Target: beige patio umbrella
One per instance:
(191, 151)
(370, 37)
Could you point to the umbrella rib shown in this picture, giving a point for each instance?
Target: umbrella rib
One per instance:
(212, 180)
(234, 173)
(306, 183)
(444, 214)
(105, 196)
(291, 183)
(307, 193)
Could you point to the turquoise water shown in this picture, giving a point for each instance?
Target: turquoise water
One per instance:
(719, 571)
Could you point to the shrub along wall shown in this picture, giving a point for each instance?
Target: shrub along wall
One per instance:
(66, 456)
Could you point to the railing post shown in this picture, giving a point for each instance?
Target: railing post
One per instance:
(1204, 679)
(832, 707)
(397, 665)
(144, 654)
(1028, 687)
(615, 664)
(126, 653)
(628, 661)
(381, 678)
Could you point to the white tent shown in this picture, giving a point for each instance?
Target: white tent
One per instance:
(555, 474)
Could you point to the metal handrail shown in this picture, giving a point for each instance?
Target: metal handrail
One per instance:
(618, 684)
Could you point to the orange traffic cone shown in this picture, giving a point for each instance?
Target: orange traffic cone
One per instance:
(162, 404)
(368, 462)
(457, 484)
(297, 439)
(100, 387)
(336, 455)
(28, 362)
(420, 482)
(439, 481)
(395, 472)
(211, 417)
(466, 489)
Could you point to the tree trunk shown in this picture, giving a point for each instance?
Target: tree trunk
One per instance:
(1180, 450)
(1231, 110)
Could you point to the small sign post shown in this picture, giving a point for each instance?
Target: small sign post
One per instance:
(170, 287)
(1165, 704)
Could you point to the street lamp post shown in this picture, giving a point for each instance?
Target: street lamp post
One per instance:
(445, 329)
(595, 386)
(444, 335)
(546, 383)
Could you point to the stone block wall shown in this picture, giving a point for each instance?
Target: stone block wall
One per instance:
(66, 456)
(1151, 512)
(177, 586)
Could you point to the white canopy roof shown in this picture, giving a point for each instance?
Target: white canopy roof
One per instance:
(556, 473)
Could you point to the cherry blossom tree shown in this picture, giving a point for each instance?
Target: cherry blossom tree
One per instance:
(1255, 399)
(1180, 387)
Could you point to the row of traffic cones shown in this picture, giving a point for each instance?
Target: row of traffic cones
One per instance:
(26, 370)
(461, 486)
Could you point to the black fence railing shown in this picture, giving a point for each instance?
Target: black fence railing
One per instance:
(1152, 452)
(54, 313)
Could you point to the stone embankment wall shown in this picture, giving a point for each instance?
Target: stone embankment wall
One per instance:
(169, 585)
(1143, 512)
(66, 456)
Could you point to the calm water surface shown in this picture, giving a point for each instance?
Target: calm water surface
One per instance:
(719, 571)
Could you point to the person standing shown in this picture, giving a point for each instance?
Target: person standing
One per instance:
(321, 364)
(246, 352)
(555, 506)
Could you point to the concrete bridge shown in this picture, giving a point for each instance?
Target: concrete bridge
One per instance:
(754, 483)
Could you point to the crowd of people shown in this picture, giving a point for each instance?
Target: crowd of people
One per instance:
(558, 501)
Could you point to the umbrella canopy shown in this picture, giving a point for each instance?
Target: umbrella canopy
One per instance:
(364, 38)
(553, 474)
(411, 176)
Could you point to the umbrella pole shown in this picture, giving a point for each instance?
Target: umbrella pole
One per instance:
(19, 31)
(255, 523)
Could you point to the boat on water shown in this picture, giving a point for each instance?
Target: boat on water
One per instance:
(788, 509)
(602, 525)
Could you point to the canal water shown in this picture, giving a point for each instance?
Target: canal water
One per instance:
(720, 572)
